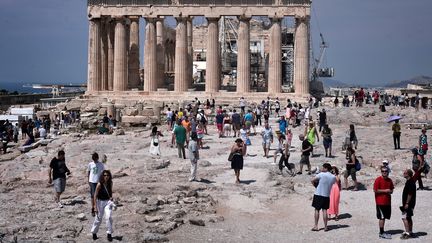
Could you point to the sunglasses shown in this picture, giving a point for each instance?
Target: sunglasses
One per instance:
(384, 171)
(106, 175)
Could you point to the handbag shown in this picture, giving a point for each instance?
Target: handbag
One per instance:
(155, 142)
(230, 156)
(357, 165)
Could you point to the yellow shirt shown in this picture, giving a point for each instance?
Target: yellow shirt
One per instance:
(396, 128)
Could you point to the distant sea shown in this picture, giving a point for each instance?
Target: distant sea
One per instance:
(16, 86)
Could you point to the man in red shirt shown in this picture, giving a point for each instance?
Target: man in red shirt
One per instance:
(383, 188)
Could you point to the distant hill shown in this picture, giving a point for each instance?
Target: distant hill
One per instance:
(332, 83)
(415, 80)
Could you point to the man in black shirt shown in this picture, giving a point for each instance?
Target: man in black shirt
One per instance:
(322, 119)
(408, 204)
(306, 149)
(58, 170)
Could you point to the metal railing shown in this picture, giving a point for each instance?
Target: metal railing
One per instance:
(197, 2)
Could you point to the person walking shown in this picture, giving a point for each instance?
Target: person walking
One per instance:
(408, 204)
(352, 136)
(57, 175)
(180, 138)
(104, 205)
(236, 123)
(327, 140)
(383, 188)
(417, 163)
(94, 171)
(238, 150)
(15, 133)
(154, 143)
(322, 119)
(306, 150)
(334, 195)
(267, 136)
(193, 155)
(321, 199)
(350, 168)
(396, 128)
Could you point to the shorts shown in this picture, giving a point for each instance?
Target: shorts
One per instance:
(352, 172)
(227, 127)
(320, 202)
(92, 189)
(277, 110)
(266, 143)
(407, 213)
(219, 126)
(327, 142)
(383, 211)
(236, 126)
(248, 124)
(59, 184)
(305, 160)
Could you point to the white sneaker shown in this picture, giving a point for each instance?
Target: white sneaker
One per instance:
(60, 205)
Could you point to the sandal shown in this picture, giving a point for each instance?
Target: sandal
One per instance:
(314, 229)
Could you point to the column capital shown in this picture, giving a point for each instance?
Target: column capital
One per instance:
(302, 18)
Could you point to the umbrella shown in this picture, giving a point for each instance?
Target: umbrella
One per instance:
(394, 118)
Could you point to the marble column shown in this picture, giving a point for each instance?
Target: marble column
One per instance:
(104, 54)
(133, 61)
(110, 35)
(301, 56)
(190, 50)
(181, 57)
(120, 56)
(160, 50)
(275, 64)
(243, 56)
(150, 56)
(212, 56)
(94, 55)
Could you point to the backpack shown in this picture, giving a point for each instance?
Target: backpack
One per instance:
(357, 164)
(203, 119)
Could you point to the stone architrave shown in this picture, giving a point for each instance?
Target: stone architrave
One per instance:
(134, 62)
(190, 50)
(181, 57)
(301, 56)
(104, 55)
(275, 57)
(243, 56)
(110, 35)
(150, 56)
(94, 67)
(120, 56)
(212, 56)
(160, 50)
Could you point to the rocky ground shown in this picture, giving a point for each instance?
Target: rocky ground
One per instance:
(157, 203)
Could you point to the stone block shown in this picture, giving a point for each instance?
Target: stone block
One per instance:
(135, 119)
(102, 111)
(129, 111)
(147, 112)
(92, 107)
(73, 105)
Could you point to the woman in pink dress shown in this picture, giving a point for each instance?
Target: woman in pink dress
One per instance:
(334, 195)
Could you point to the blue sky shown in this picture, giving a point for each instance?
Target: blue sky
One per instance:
(371, 42)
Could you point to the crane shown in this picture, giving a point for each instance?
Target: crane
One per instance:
(318, 71)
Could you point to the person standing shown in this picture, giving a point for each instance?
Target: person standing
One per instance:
(154, 143)
(335, 195)
(180, 138)
(15, 133)
(104, 205)
(396, 128)
(238, 150)
(57, 175)
(417, 163)
(321, 199)
(327, 140)
(242, 103)
(350, 168)
(408, 204)
(383, 188)
(322, 119)
(423, 143)
(306, 149)
(236, 123)
(94, 171)
(311, 133)
(352, 136)
(267, 136)
(283, 125)
(193, 155)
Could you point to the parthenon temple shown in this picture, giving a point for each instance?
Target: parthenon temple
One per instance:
(176, 63)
